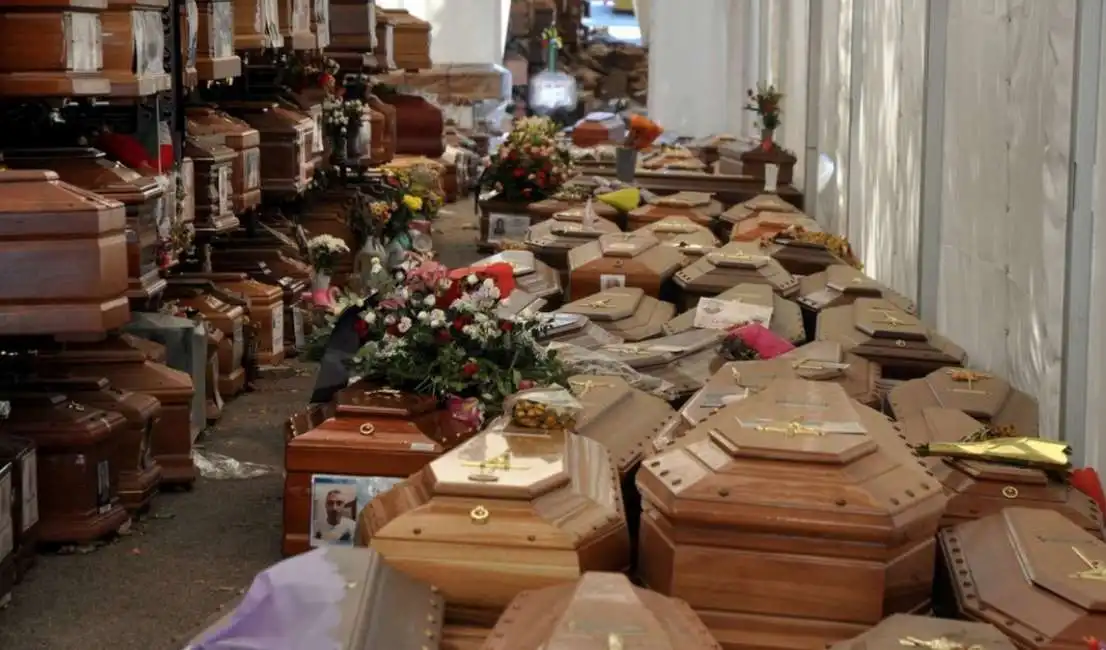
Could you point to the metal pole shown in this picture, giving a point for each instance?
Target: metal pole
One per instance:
(1079, 240)
(933, 159)
(813, 100)
(856, 66)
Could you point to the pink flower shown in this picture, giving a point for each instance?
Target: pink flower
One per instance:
(466, 410)
(392, 304)
(428, 275)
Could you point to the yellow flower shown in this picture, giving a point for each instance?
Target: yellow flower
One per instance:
(413, 203)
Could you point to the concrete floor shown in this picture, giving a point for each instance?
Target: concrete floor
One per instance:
(198, 551)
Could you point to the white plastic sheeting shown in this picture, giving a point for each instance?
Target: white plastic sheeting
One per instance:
(472, 31)
(1096, 376)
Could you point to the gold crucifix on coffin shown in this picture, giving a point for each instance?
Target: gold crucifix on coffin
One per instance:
(598, 303)
(890, 319)
(583, 386)
(941, 643)
(790, 428)
(1096, 569)
(969, 377)
(502, 462)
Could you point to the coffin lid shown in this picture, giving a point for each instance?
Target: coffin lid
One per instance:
(54, 413)
(793, 420)
(763, 202)
(564, 323)
(674, 225)
(936, 424)
(739, 255)
(980, 395)
(365, 399)
(40, 192)
(206, 121)
(696, 243)
(738, 380)
(519, 300)
(599, 395)
(610, 305)
(503, 465)
(208, 152)
(627, 244)
(924, 632)
(880, 318)
(656, 351)
(684, 200)
(1049, 549)
(575, 231)
(522, 262)
(819, 360)
(575, 214)
(846, 279)
(90, 169)
(767, 223)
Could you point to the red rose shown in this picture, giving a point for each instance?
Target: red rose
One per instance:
(460, 322)
(361, 327)
(444, 336)
(526, 384)
(393, 330)
(325, 79)
(469, 369)
(506, 325)
(519, 172)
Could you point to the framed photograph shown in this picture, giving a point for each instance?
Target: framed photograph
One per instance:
(337, 501)
(611, 281)
(507, 226)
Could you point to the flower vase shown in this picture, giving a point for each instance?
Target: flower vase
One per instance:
(397, 250)
(320, 281)
(766, 139)
(362, 263)
(625, 164)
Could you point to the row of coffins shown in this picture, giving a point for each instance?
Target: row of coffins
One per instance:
(780, 443)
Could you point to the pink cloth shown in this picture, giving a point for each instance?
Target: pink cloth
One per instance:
(766, 343)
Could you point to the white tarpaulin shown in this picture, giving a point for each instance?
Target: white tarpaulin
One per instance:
(468, 31)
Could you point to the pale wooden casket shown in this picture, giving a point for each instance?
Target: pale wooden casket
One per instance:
(579, 330)
(697, 206)
(786, 320)
(733, 264)
(552, 239)
(500, 514)
(600, 611)
(989, 399)
(1037, 577)
(841, 285)
(978, 488)
(632, 259)
(691, 239)
(763, 225)
(798, 518)
(754, 206)
(686, 360)
(878, 330)
(906, 631)
(625, 312)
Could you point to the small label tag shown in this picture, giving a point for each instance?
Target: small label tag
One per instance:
(421, 446)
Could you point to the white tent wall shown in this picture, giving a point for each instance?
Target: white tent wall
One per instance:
(1095, 447)
(468, 31)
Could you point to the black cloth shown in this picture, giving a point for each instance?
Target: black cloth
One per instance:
(344, 342)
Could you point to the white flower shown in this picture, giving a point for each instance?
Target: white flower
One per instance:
(437, 315)
(472, 279)
(404, 325)
(399, 275)
(430, 301)
(402, 293)
(390, 319)
(376, 268)
(375, 261)
(481, 317)
(369, 317)
(494, 292)
(423, 316)
(445, 283)
(487, 284)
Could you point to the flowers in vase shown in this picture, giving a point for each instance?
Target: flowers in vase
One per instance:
(765, 102)
(530, 165)
(400, 198)
(323, 252)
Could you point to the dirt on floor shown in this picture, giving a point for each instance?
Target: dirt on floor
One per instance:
(197, 551)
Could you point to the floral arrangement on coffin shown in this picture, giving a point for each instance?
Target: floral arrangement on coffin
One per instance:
(765, 100)
(835, 244)
(530, 165)
(428, 330)
(402, 198)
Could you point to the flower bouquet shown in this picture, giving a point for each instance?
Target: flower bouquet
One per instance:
(529, 166)
(323, 252)
(422, 331)
(765, 102)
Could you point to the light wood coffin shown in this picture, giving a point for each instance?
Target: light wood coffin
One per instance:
(631, 259)
(733, 264)
(979, 488)
(761, 226)
(808, 250)
(531, 274)
(54, 50)
(228, 319)
(786, 320)
(552, 239)
(691, 239)
(375, 433)
(257, 25)
(134, 47)
(75, 242)
(686, 360)
(599, 611)
(352, 33)
(696, 206)
(625, 312)
(579, 330)
(214, 165)
(841, 285)
(878, 330)
(215, 57)
(906, 631)
(410, 40)
(990, 400)
(500, 514)
(380, 607)
(756, 205)
(549, 208)
(1034, 575)
(265, 309)
(819, 361)
(211, 126)
(796, 485)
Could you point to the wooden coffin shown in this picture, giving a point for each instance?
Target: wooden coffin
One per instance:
(806, 249)
(383, 121)
(375, 438)
(380, 607)
(88, 169)
(763, 225)
(54, 50)
(686, 360)
(696, 206)
(20, 454)
(122, 361)
(7, 534)
(44, 220)
(287, 166)
(294, 17)
(733, 264)
(682, 233)
(134, 47)
(215, 57)
(1034, 575)
(188, 25)
(353, 33)
(230, 320)
(786, 320)
(384, 45)
(214, 164)
(420, 127)
(410, 41)
(760, 203)
(979, 488)
(552, 239)
(273, 268)
(211, 126)
(139, 473)
(820, 361)
(794, 485)
(598, 129)
(257, 25)
(579, 330)
(549, 208)
(598, 612)
(631, 259)
(840, 285)
(500, 514)
(753, 161)
(625, 312)
(671, 157)
(906, 631)
(320, 24)
(531, 274)
(517, 302)
(728, 189)
(988, 399)
(879, 330)
(75, 446)
(265, 309)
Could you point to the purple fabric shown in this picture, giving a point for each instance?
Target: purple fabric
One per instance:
(292, 605)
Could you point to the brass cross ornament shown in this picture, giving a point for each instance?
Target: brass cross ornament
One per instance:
(941, 643)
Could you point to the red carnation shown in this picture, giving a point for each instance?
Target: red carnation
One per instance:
(393, 330)
(460, 322)
(361, 327)
(506, 325)
(444, 336)
(469, 369)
